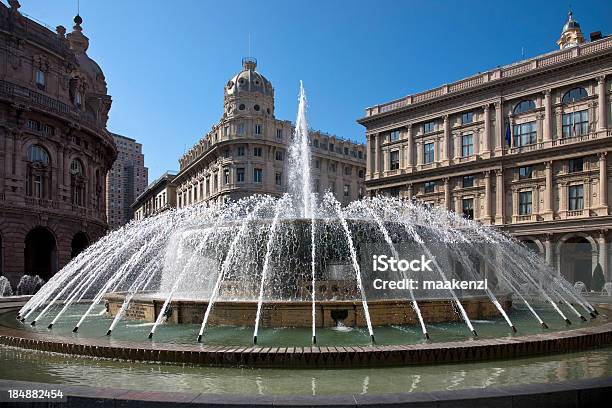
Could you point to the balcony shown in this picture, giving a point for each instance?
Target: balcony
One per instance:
(40, 202)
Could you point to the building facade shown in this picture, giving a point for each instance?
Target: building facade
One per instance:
(245, 153)
(159, 196)
(523, 147)
(55, 150)
(127, 179)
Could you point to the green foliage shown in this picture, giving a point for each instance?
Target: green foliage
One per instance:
(598, 278)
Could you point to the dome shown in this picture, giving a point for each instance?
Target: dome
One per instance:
(79, 43)
(249, 80)
(571, 24)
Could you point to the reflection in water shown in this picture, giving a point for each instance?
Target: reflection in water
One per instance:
(28, 365)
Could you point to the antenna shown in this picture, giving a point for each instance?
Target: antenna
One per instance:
(78, 7)
(522, 52)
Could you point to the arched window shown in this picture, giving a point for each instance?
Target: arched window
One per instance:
(37, 154)
(77, 183)
(38, 174)
(575, 94)
(524, 106)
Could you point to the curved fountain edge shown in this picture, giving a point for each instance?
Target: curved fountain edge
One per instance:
(318, 357)
(576, 393)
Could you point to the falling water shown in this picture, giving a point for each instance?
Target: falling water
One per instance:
(299, 186)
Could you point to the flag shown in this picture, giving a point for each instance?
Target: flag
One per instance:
(508, 134)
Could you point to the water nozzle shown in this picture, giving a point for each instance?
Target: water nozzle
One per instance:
(513, 329)
(108, 333)
(254, 339)
(567, 321)
(372, 338)
(426, 335)
(474, 333)
(583, 318)
(593, 315)
(199, 338)
(33, 323)
(76, 329)
(596, 312)
(544, 325)
(314, 339)
(50, 326)
(151, 335)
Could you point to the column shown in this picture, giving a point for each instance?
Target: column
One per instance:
(410, 147)
(409, 191)
(487, 199)
(602, 104)
(603, 254)
(445, 144)
(515, 203)
(486, 148)
(511, 124)
(563, 199)
(549, 192)
(419, 147)
(369, 169)
(447, 194)
(499, 129)
(377, 161)
(559, 120)
(457, 147)
(386, 166)
(499, 196)
(402, 160)
(603, 183)
(548, 247)
(548, 113)
(476, 141)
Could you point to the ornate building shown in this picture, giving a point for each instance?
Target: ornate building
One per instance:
(524, 147)
(54, 147)
(245, 152)
(126, 180)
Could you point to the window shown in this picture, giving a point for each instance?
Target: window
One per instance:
(332, 167)
(361, 173)
(226, 131)
(257, 151)
(576, 123)
(77, 183)
(37, 154)
(240, 175)
(226, 153)
(279, 179)
(77, 99)
(525, 202)
(395, 161)
(226, 176)
(76, 168)
(574, 95)
(468, 181)
(346, 151)
(317, 164)
(279, 155)
(48, 130)
(347, 190)
(525, 134)
(429, 127)
(525, 172)
(395, 135)
(241, 107)
(279, 134)
(240, 151)
(467, 117)
(40, 79)
(524, 106)
(33, 125)
(257, 175)
(430, 186)
(258, 129)
(317, 186)
(576, 165)
(331, 147)
(467, 145)
(347, 171)
(468, 208)
(428, 152)
(241, 129)
(315, 142)
(256, 107)
(360, 154)
(576, 198)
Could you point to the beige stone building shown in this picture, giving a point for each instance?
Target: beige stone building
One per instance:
(523, 147)
(159, 196)
(246, 152)
(126, 180)
(55, 150)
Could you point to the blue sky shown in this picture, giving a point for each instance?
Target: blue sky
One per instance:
(166, 61)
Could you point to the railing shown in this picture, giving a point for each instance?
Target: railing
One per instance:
(19, 92)
(575, 213)
(522, 218)
(500, 73)
(40, 202)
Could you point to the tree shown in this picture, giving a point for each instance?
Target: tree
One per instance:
(598, 278)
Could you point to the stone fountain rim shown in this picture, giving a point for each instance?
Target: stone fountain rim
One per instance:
(318, 357)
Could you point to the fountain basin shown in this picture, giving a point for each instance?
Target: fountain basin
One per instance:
(299, 313)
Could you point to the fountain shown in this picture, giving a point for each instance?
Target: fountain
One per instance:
(276, 267)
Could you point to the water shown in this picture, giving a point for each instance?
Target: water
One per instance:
(307, 248)
(28, 365)
(5, 287)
